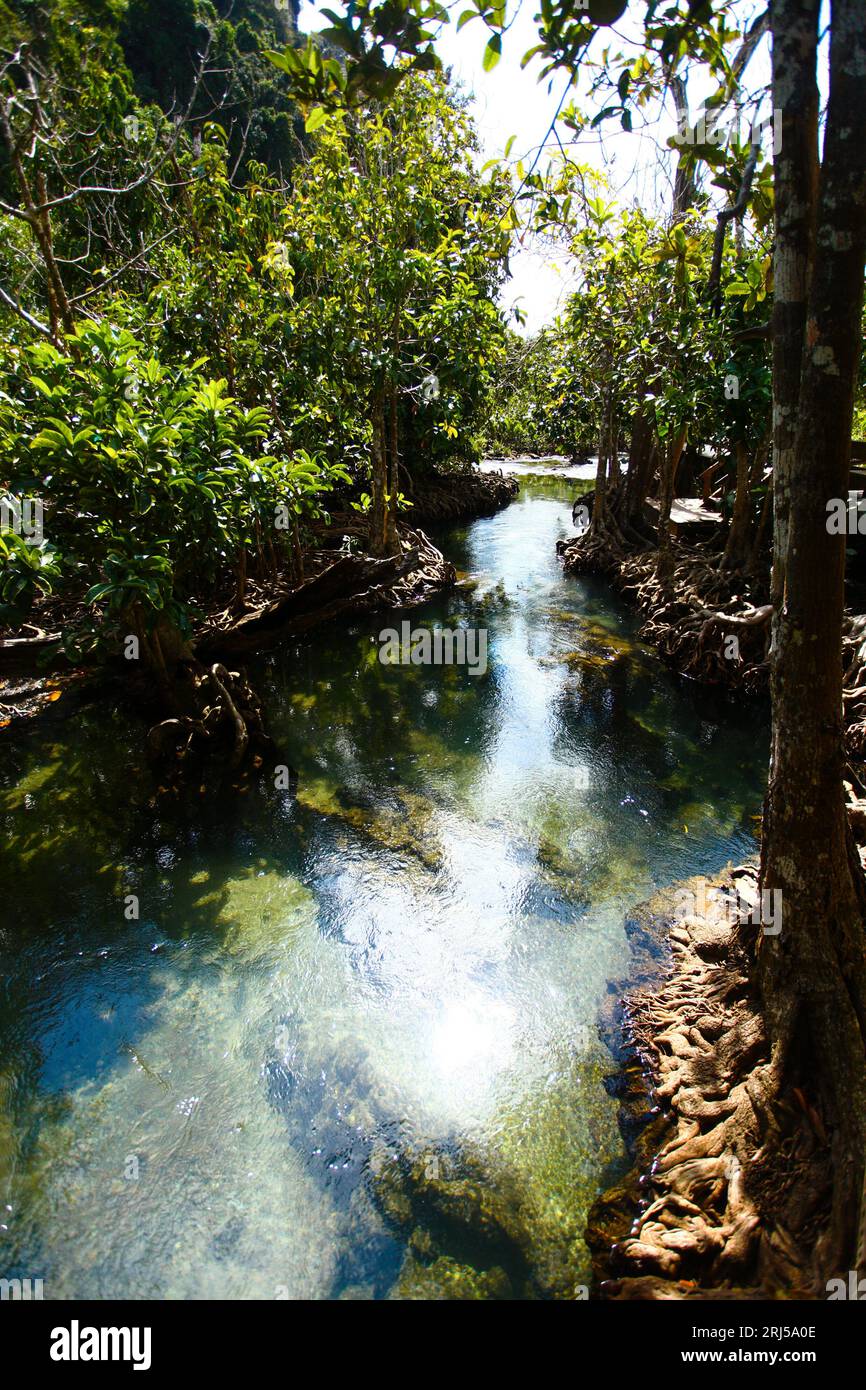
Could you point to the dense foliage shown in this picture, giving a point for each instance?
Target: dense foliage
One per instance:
(208, 325)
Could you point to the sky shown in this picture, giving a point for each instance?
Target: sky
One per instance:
(512, 101)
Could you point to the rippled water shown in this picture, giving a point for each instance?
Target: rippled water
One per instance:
(399, 960)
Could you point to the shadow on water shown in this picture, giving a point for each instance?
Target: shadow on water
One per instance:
(347, 1047)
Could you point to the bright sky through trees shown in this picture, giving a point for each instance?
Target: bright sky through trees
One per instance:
(512, 100)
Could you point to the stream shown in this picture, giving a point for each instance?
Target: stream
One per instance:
(339, 997)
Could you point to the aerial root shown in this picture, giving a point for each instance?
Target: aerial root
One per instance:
(691, 610)
(714, 1216)
(224, 708)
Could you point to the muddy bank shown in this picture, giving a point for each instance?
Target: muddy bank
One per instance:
(192, 690)
(35, 673)
(339, 579)
(729, 1189)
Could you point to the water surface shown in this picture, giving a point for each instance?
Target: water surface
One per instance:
(401, 954)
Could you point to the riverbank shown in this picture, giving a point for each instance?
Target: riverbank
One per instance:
(713, 625)
(338, 579)
(729, 1191)
(709, 623)
(461, 496)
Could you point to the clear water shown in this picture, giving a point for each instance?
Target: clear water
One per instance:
(406, 956)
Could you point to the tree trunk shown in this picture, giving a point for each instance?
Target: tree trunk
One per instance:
(795, 95)
(737, 545)
(684, 177)
(378, 483)
(670, 459)
(813, 975)
(599, 503)
(393, 540)
(640, 463)
(612, 446)
(760, 545)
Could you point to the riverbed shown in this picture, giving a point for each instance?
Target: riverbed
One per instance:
(231, 1025)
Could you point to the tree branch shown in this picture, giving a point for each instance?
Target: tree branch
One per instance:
(22, 313)
(736, 209)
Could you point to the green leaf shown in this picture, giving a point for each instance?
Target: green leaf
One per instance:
(97, 592)
(42, 386)
(530, 54)
(492, 53)
(317, 118)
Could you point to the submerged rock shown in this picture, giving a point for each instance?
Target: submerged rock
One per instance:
(407, 828)
(446, 1280)
(475, 1225)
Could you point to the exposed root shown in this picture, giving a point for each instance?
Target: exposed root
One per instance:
(212, 707)
(341, 585)
(737, 1187)
(458, 496)
(223, 709)
(854, 706)
(713, 625)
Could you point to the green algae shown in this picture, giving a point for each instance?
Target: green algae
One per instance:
(404, 829)
(445, 1279)
(258, 912)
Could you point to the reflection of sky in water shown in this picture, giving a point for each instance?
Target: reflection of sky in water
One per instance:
(414, 951)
